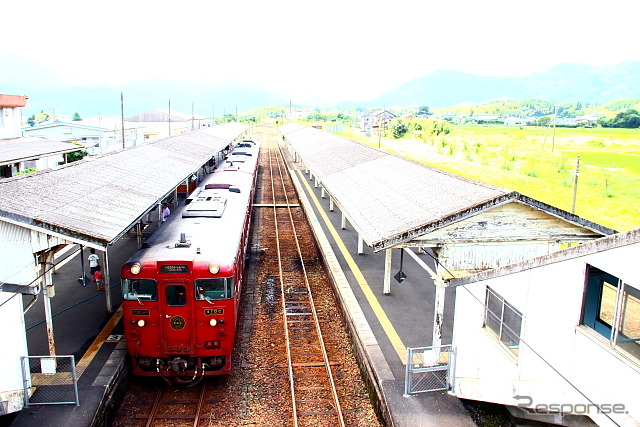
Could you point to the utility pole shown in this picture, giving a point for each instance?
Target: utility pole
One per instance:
(192, 117)
(575, 186)
(122, 116)
(553, 137)
(169, 117)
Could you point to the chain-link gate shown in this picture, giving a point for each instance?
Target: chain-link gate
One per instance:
(428, 369)
(49, 380)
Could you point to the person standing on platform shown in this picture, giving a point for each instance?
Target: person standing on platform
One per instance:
(93, 262)
(98, 278)
(165, 212)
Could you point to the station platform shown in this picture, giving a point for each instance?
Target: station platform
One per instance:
(385, 325)
(85, 329)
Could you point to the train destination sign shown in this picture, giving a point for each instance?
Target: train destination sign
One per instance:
(174, 269)
(212, 311)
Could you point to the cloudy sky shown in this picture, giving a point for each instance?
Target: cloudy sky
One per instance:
(330, 49)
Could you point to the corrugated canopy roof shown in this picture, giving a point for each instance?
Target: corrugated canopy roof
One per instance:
(20, 149)
(390, 199)
(97, 199)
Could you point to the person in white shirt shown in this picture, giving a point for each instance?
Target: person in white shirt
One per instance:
(93, 262)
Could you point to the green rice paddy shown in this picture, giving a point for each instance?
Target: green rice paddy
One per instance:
(540, 163)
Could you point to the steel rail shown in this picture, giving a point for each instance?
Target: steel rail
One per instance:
(337, 408)
(154, 408)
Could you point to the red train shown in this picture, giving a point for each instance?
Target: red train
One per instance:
(181, 290)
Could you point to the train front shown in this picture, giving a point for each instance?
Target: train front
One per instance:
(179, 318)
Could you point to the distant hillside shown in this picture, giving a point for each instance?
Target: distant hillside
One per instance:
(537, 108)
(48, 91)
(564, 83)
(147, 95)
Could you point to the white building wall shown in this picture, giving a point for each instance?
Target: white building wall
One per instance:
(560, 362)
(10, 126)
(17, 265)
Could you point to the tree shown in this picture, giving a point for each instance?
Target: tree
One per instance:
(76, 117)
(42, 117)
(74, 156)
(625, 119)
(31, 121)
(398, 128)
(423, 110)
(544, 120)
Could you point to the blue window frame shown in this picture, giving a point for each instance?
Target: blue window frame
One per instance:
(612, 308)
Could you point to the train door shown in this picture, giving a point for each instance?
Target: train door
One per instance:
(177, 318)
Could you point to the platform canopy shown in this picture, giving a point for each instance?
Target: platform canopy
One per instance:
(22, 149)
(96, 200)
(390, 199)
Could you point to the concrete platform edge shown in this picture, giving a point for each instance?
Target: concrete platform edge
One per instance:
(114, 377)
(363, 339)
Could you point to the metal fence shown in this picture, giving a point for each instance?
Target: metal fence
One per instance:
(428, 369)
(49, 380)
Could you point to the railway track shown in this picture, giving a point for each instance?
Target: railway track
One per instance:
(314, 396)
(280, 377)
(175, 406)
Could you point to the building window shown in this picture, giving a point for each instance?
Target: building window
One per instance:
(612, 308)
(503, 320)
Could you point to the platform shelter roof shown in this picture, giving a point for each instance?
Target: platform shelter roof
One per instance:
(21, 149)
(94, 201)
(390, 199)
(229, 131)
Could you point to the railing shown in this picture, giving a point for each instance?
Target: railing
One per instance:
(428, 369)
(49, 380)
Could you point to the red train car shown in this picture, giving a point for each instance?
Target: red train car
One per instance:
(181, 290)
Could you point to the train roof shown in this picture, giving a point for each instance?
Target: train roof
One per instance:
(209, 224)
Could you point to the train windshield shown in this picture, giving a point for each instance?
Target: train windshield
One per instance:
(176, 295)
(139, 289)
(218, 288)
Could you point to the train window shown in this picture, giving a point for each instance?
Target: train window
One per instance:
(139, 289)
(218, 288)
(176, 295)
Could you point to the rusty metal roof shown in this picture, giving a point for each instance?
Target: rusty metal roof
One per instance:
(390, 199)
(27, 148)
(97, 199)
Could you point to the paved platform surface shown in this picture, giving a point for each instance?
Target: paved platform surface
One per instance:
(385, 326)
(85, 329)
(386, 323)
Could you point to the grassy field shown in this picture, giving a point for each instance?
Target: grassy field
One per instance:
(539, 163)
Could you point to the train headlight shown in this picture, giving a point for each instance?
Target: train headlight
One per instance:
(141, 323)
(213, 268)
(135, 269)
(213, 322)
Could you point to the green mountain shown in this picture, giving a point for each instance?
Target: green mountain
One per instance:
(563, 83)
(150, 94)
